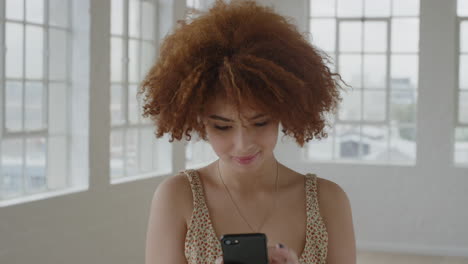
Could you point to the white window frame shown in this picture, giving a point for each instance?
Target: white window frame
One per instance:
(458, 123)
(388, 89)
(67, 183)
(161, 150)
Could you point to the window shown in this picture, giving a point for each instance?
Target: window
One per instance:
(134, 149)
(35, 91)
(374, 46)
(461, 130)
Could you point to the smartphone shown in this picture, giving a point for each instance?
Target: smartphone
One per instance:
(248, 248)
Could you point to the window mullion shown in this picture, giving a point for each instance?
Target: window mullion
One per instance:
(360, 150)
(45, 63)
(125, 66)
(45, 92)
(24, 142)
(457, 71)
(68, 92)
(2, 83)
(387, 81)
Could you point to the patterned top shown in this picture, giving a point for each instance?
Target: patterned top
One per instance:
(203, 247)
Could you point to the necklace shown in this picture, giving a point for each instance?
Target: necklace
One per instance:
(237, 207)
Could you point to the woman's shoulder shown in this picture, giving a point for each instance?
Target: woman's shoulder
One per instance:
(175, 191)
(331, 198)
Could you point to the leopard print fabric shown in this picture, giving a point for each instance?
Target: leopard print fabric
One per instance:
(203, 247)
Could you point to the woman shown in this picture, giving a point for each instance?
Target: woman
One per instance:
(234, 75)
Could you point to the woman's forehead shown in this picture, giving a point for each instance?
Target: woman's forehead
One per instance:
(226, 109)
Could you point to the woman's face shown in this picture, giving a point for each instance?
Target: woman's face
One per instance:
(244, 143)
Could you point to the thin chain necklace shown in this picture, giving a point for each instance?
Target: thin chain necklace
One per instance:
(237, 207)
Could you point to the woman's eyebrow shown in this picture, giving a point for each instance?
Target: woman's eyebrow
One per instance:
(217, 117)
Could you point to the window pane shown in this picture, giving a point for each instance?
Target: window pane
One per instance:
(134, 18)
(322, 8)
(116, 59)
(461, 145)
(374, 145)
(14, 9)
(133, 109)
(58, 111)
(117, 12)
(57, 54)
(462, 7)
(34, 118)
(405, 7)
(462, 74)
(377, 8)
(350, 108)
(34, 52)
(145, 149)
(375, 71)
(405, 35)
(348, 142)
(14, 106)
(14, 52)
(58, 12)
(147, 57)
(350, 8)
(350, 70)
(116, 104)
(374, 105)
(57, 174)
(148, 20)
(402, 144)
(12, 167)
(330, 62)
(116, 154)
(133, 61)
(194, 3)
(199, 153)
(323, 33)
(350, 37)
(36, 150)
(132, 158)
(403, 106)
(375, 36)
(320, 150)
(35, 11)
(463, 108)
(464, 36)
(404, 71)
(162, 149)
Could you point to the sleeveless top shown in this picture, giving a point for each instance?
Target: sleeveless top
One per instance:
(203, 247)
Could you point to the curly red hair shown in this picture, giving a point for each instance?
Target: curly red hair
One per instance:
(249, 54)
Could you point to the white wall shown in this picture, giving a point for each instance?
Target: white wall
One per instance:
(421, 209)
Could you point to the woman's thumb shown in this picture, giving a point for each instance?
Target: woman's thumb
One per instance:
(219, 260)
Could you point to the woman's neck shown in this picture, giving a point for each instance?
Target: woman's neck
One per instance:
(260, 179)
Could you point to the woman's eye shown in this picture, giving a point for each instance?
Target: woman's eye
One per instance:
(222, 127)
(261, 124)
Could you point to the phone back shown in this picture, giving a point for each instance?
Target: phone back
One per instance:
(245, 248)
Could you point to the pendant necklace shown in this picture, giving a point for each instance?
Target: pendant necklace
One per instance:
(255, 230)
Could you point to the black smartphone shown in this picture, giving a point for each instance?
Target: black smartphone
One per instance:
(248, 248)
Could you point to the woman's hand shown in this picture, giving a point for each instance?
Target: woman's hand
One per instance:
(276, 255)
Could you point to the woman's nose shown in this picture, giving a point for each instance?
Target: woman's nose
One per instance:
(245, 140)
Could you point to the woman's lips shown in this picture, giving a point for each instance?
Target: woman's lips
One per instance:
(246, 159)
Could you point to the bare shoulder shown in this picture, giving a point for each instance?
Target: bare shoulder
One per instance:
(175, 192)
(167, 224)
(330, 193)
(335, 209)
